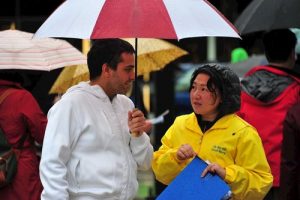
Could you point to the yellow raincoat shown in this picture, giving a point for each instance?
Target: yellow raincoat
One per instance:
(230, 142)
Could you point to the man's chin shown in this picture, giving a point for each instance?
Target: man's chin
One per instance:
(126, 92)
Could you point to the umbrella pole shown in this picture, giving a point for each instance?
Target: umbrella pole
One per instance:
(135, 72)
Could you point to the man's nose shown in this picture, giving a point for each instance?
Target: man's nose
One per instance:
(132, 75)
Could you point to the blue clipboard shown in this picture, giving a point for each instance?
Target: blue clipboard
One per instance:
(189, 185)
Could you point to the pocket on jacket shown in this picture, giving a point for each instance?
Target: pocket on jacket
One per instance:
(73, 173)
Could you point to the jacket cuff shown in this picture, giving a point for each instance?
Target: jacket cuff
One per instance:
(229, 175)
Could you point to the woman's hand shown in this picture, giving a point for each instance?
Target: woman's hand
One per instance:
(215, 169)
(185, 152)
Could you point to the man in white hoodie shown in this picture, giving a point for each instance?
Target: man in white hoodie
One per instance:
(94, 141)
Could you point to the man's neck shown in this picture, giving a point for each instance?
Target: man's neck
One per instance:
(285, 65)
(102, 84)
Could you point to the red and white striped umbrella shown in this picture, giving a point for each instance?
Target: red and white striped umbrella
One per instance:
(166, 19)
(18, 50)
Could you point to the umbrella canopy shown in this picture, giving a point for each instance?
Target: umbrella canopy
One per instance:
(68, 77)
(168, 19)
(265, 15)
(19, 51)
(153, 55)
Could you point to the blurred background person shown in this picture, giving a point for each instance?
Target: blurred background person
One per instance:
(238, 55)
(290, 156)
(23, 122)
(268, 92)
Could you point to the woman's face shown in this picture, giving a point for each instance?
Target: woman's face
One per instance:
(204, 102)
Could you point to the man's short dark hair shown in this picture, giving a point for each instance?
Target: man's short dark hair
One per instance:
(106, 51)
(278, 44)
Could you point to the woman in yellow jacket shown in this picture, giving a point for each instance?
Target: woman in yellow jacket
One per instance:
(215, 134)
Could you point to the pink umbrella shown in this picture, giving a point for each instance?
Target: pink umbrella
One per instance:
(19, 51)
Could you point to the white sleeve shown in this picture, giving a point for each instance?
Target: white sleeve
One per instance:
(141, 148)
(61, 131)
(142, 151)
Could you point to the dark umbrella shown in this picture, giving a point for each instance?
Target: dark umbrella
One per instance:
(265, 15)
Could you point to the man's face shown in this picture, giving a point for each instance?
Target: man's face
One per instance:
(122, 78)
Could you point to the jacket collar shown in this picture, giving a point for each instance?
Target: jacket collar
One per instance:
(275, 70)
(192, 123)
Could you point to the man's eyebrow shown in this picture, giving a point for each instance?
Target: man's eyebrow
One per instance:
(129, 66)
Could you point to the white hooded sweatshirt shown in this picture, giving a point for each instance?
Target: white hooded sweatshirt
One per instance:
(88, 152)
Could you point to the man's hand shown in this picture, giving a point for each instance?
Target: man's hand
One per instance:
(148, 126)
(136, 122)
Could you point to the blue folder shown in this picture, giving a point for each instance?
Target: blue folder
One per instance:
(189, 185)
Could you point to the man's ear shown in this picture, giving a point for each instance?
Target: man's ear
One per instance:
(105, 70)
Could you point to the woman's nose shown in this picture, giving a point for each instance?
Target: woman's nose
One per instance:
(196, 93)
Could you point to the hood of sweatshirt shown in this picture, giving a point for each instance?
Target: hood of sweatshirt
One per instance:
(85, 87)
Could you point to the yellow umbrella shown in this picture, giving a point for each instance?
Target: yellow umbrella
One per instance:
(153, 55)
(68, 77)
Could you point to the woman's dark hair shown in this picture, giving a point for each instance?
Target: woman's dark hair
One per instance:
(226, 81)
(106, 51)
